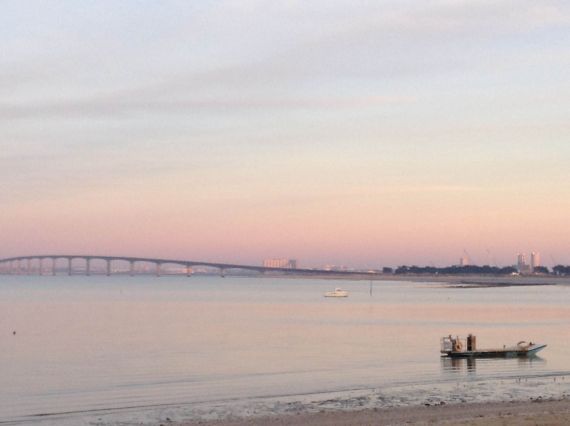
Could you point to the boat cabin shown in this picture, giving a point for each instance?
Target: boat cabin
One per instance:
(458, 344)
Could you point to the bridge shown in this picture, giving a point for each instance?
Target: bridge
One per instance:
(25, 265)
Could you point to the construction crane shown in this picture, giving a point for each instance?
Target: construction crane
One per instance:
(554, 263)
(490, 259)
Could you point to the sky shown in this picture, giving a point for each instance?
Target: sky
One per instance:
(362, 133)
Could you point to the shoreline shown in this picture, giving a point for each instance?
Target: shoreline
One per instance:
(503, 400)
(486, 280)
(459, 281)
(537, 412)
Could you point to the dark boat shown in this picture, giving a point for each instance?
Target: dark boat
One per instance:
(457, 347)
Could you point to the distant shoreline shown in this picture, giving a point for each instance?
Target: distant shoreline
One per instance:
(485, 280)
(455, 280)
(459, 281)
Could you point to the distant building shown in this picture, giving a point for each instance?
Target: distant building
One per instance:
(521, 261)
(524, 267)
(280, 263)
(534, 259)
(464, 261)
(335, 268)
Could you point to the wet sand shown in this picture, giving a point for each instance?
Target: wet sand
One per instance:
(541, 400)
(535, 412)
(519, 401)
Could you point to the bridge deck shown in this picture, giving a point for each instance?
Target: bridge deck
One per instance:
(186, 263)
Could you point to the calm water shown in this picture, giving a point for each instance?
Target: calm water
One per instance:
(84, 343)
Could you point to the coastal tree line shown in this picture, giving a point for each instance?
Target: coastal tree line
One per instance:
(472, 270)
(561, 270)
(456, 270)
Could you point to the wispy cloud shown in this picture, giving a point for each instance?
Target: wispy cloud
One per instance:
(114, 107)
(277, 67)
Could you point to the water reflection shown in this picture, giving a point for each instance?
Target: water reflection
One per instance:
(457, 365)
(489, 366)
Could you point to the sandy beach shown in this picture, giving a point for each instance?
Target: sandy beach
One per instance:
(517, 401)
(533, 412)
(523, 401)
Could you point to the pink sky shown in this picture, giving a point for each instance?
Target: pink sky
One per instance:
(374, 228)
(382, 133)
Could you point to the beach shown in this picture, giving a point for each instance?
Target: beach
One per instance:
(537, 412)
(523, 400)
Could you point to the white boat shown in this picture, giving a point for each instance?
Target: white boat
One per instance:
(338, 292)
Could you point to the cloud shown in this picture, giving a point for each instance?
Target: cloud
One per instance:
(259, 55)
(114, 107)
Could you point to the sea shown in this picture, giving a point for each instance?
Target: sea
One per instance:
(80, 344)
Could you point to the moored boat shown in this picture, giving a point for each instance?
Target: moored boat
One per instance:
(338, 292)
(457, 347)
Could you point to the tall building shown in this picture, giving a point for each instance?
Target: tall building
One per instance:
(280, 263)
(521, 261)
(463, 261)
(522, 265)
(525, 267)
(534, 259)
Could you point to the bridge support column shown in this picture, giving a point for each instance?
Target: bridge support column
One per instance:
(28, 266)
(108, 267)
(88, 266)
(132, 268)
(188, 270)
(41, 266)
(158, 269)
(18, 267)
(53, 266)
(222, 272)
(69, 271)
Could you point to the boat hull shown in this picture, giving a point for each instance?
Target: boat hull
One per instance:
(497, 353)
